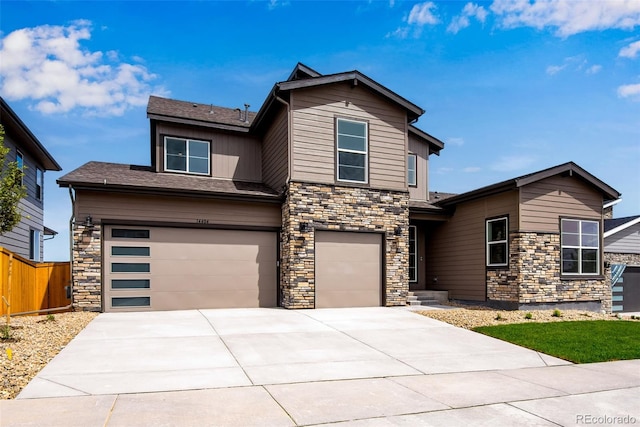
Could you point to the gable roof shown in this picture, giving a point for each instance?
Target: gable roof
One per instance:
(567, 169)
(27, 140)
(435, 145)
(143, 179)
(191, 113)
(613, 226)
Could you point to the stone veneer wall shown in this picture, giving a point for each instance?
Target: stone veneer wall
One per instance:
(533, 276)
(330, 207)
(87, 276)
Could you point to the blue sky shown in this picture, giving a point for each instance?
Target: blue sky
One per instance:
(511, 87)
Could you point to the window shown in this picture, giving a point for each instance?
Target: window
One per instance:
(413, 254)
(186, 155)
(130, 251)
(352, 151)
(20, 163)
(39, 183)
(497, 242)
(412, 178)
(131, 302)
(129, 233)
(34, 245)
(130, 284)
(580, 241)
(132, 267)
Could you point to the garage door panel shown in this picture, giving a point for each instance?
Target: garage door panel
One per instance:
(193, 268)
(348, 269)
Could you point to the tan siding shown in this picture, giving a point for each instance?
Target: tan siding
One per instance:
(314, 112)
(175, 210)
(233, 156)
(456, 249)
(275, 152)
(421, 150)
(545, 201)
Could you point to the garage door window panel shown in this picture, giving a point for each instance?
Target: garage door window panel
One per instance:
(129, 233)
(131, 302)
(130, 267)
(139, 251)
(130, 284)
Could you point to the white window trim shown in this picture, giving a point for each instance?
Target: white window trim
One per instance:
(415, 253)
(580, 248)
(504, 242)
(366, 152)
(186, 141)
(415, 170)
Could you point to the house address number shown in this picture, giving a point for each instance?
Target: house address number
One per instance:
(202, 221)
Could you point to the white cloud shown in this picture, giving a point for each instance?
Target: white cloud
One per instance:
(470, 10)
(421, 14)
(455, 141)
(629, 91)
(48, 65)
(472, 169)
(513, 163)
(630, 51)
(594, 69)
(555, 69)
(568, 16)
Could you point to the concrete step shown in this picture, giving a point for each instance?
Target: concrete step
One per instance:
(427, 297)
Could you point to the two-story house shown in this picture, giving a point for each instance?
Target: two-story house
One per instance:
(320, 199)
(26, 238)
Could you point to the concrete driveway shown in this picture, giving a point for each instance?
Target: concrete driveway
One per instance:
(361, 366)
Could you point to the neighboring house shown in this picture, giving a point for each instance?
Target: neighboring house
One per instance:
(26, 238)
(320, 199)
(622, 251)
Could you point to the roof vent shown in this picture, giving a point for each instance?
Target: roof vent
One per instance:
(246, 113)
(211, 109)
(195, 105)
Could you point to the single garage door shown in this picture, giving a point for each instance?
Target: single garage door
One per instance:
(348, 269)
(626, 292)
(156, 268)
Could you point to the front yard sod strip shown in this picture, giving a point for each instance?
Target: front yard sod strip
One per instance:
(579, 342)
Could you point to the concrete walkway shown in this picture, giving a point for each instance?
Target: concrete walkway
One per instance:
(359, 366)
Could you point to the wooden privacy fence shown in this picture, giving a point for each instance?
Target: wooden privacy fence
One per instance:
(34, 285)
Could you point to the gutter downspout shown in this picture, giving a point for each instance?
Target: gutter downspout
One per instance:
(66, 307)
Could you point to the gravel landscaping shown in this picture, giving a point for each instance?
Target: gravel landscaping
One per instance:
(35, 340)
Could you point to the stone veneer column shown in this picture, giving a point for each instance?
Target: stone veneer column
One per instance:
(329, 207)
(86, 269)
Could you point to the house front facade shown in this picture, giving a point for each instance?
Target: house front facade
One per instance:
(26, 238)
(320, 199)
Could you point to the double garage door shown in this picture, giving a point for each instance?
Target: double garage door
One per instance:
(155, 268)
(158, 268)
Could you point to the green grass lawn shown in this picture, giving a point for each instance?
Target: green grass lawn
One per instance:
(580, 342)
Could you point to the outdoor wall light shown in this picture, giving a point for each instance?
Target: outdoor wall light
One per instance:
(88, 222)
(304, 227)
(397, 231)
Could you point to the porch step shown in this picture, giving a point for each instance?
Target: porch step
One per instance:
(427, 297)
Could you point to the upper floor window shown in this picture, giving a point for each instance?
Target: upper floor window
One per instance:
(34, 245)
(412, 178)
(39, 183)
(497, 242)
(352, 151)
(186, 155)
(20, 163)
(580, 241)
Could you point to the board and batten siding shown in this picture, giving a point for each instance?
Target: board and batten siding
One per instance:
(543, 202)
(175, 210)
(626, 241)
(456, 249)
(421, 150)
(31, 208)
(275, 155)
(236, 157)
(314, 112)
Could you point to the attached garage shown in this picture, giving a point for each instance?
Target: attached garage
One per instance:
(626, 291)
(348, 269)
(162, 268)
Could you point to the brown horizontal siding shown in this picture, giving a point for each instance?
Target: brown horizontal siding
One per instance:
(233, 156)
(542, 203)
(456, 249)
(128, 207)
(314, 113)
(275, 152)
(421, 150)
